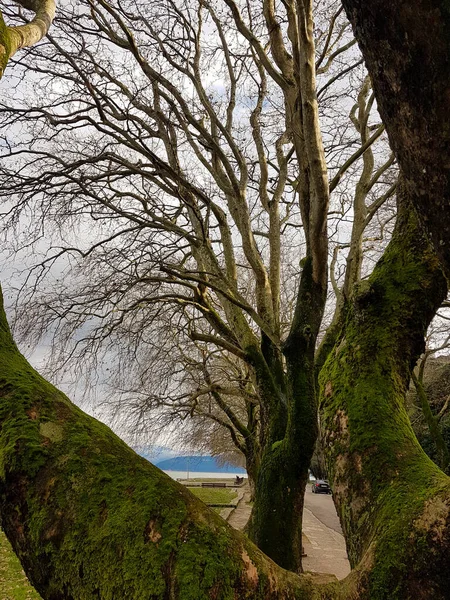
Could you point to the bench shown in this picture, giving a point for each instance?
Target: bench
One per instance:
(213, 485)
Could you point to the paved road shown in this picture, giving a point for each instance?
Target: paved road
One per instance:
(322, 507)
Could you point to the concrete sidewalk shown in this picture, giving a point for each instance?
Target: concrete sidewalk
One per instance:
(241, 514)
(324, 547)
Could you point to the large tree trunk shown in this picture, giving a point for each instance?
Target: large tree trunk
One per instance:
(275, 524)
(276, 521)
(394, 503)
(90, 519)
(407, 51)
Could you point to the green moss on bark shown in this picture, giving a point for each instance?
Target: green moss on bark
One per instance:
(382, 480)
(89, 518)
(291, 431)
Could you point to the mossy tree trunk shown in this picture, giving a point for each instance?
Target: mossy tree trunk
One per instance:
(252, 461)
(291, 433)
(393, 501)
(276, 521)
(288, 400)
(443, 455)
(292, 429)
(90, 519)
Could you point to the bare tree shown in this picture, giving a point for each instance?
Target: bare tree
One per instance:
(190, 134)
(90, 518)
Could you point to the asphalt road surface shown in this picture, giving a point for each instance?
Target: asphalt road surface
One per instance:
(322, 507)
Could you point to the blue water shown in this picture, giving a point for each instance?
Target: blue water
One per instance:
(200, 475)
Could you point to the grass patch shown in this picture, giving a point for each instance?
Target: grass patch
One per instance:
(14, 584)
(214, 495)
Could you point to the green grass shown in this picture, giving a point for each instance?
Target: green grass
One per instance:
(214, 495)
(13, 582)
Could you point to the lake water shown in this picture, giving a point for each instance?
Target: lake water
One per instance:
(198, 475)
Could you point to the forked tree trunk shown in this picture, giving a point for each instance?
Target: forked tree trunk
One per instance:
(276, 523)
(90, 519)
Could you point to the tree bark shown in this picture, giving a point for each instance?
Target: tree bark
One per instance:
(14, 38)
(393, 501)
(276, 521)
(407, 51)
(89, 518)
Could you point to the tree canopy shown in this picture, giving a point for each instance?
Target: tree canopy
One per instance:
(75, 501)
(189, 133)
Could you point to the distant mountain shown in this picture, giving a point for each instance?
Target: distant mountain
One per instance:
(197, 464)
(157, 453)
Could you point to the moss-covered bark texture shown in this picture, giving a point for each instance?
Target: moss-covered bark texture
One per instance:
(393, 501)
(5, 45)
(406, 46)
(14, 38)
(90, 519)
(276, 522)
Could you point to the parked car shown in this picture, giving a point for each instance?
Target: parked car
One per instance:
(321, 487)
